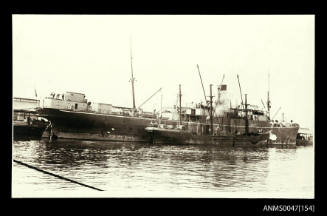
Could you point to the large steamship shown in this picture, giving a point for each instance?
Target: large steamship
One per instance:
(184, 133)
(72, 116)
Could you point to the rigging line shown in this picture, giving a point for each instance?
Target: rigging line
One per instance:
(55, 175)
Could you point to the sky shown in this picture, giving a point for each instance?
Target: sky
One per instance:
(91, 54)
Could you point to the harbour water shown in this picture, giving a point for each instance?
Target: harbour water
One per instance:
(146, 170)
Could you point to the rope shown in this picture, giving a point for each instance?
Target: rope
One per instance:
(67, 179)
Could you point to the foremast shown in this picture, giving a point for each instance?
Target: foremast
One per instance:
(268, 97)
(180, 105)
(132, 79)
(211, 114)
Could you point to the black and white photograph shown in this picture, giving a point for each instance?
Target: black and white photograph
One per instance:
(163, 106)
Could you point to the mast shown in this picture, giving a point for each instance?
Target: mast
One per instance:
(211, 117)
(132, 78)
(160, 109)
(268, 98)
(246, 116)
(180, 105)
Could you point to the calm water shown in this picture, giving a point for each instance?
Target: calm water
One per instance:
(143, 170)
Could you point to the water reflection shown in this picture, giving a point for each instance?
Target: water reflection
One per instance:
(125, 168)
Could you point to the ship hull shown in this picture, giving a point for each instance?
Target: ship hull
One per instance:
(166, 136)
(284, 135)
(25, 132)
(304, 142)
(92, 126)
(94, 136)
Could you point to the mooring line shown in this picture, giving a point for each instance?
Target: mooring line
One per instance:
(55, 175)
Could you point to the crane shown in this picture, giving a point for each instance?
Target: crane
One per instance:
(149, 98)
(204, 93)
(222, 79)
(263, 104)
(276, 113)
(240, 88)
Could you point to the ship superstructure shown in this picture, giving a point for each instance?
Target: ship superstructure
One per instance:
(202, 133)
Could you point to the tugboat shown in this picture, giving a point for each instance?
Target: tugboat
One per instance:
(27, 125)
(204, 133)
(304, 137)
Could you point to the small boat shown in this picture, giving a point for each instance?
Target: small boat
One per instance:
(27, 125)
(304, 137)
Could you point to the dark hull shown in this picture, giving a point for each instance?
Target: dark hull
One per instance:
(165, 136)
(285, 136)
(91, 126)
(25, 132)
(304, 142)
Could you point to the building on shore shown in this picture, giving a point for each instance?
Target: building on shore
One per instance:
(25, 103)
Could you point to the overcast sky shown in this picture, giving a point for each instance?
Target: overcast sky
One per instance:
(91, 55)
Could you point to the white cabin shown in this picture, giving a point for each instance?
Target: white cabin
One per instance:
(68, 101)
(102, 108)
(76, 97)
